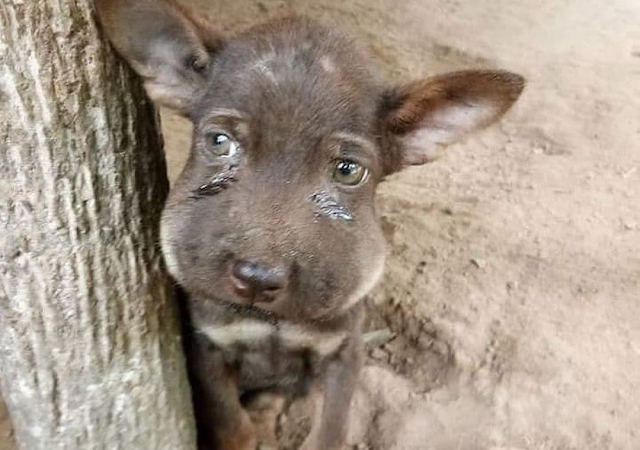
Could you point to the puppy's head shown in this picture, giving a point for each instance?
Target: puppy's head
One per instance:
(292, 133)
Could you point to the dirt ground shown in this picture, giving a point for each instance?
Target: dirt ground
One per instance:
(512, 286)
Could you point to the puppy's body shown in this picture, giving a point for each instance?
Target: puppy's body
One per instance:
(267, 353)
(235, 352)
(271, 228)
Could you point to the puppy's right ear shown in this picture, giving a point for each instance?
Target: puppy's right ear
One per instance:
(165, 44)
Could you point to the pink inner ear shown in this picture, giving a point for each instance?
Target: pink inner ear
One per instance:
(453, 119)
(419, 149)
(447, 123)
(433, 113)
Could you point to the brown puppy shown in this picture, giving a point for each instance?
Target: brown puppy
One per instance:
(271, 228)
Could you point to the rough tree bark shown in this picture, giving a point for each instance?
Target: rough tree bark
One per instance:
(90, 354)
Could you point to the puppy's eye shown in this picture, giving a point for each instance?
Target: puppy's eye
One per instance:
(222, 145)
(349, 173)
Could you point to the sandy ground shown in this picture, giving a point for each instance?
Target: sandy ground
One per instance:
(513, 278)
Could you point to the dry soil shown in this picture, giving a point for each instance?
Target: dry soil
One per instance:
(512, 286)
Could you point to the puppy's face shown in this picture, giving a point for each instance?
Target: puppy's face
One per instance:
(292, 133)
(285, 158)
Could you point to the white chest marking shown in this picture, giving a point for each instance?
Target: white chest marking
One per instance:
(292, 337)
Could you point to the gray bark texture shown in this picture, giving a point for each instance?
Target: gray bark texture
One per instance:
(90, 354)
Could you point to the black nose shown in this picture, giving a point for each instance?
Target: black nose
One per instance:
(258, 282)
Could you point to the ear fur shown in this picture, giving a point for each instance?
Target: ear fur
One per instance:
(165, 44)
(423, 116)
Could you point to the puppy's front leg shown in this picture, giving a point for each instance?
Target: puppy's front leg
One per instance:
(331, 417)
(223, 424)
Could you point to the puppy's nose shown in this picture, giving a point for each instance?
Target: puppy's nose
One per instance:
(258, 282)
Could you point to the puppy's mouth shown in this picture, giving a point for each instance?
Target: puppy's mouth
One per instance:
(252, 311)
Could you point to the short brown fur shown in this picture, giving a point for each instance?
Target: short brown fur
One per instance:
(271, 228)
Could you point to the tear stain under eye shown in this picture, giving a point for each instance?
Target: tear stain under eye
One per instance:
(216, 185)
(329, 207)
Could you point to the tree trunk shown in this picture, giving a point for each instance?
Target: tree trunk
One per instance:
(90, 353)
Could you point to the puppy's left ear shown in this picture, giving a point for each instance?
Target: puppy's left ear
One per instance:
(421, 117)
(166, 44)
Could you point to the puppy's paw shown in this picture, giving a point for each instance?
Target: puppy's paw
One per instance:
(242, 437)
